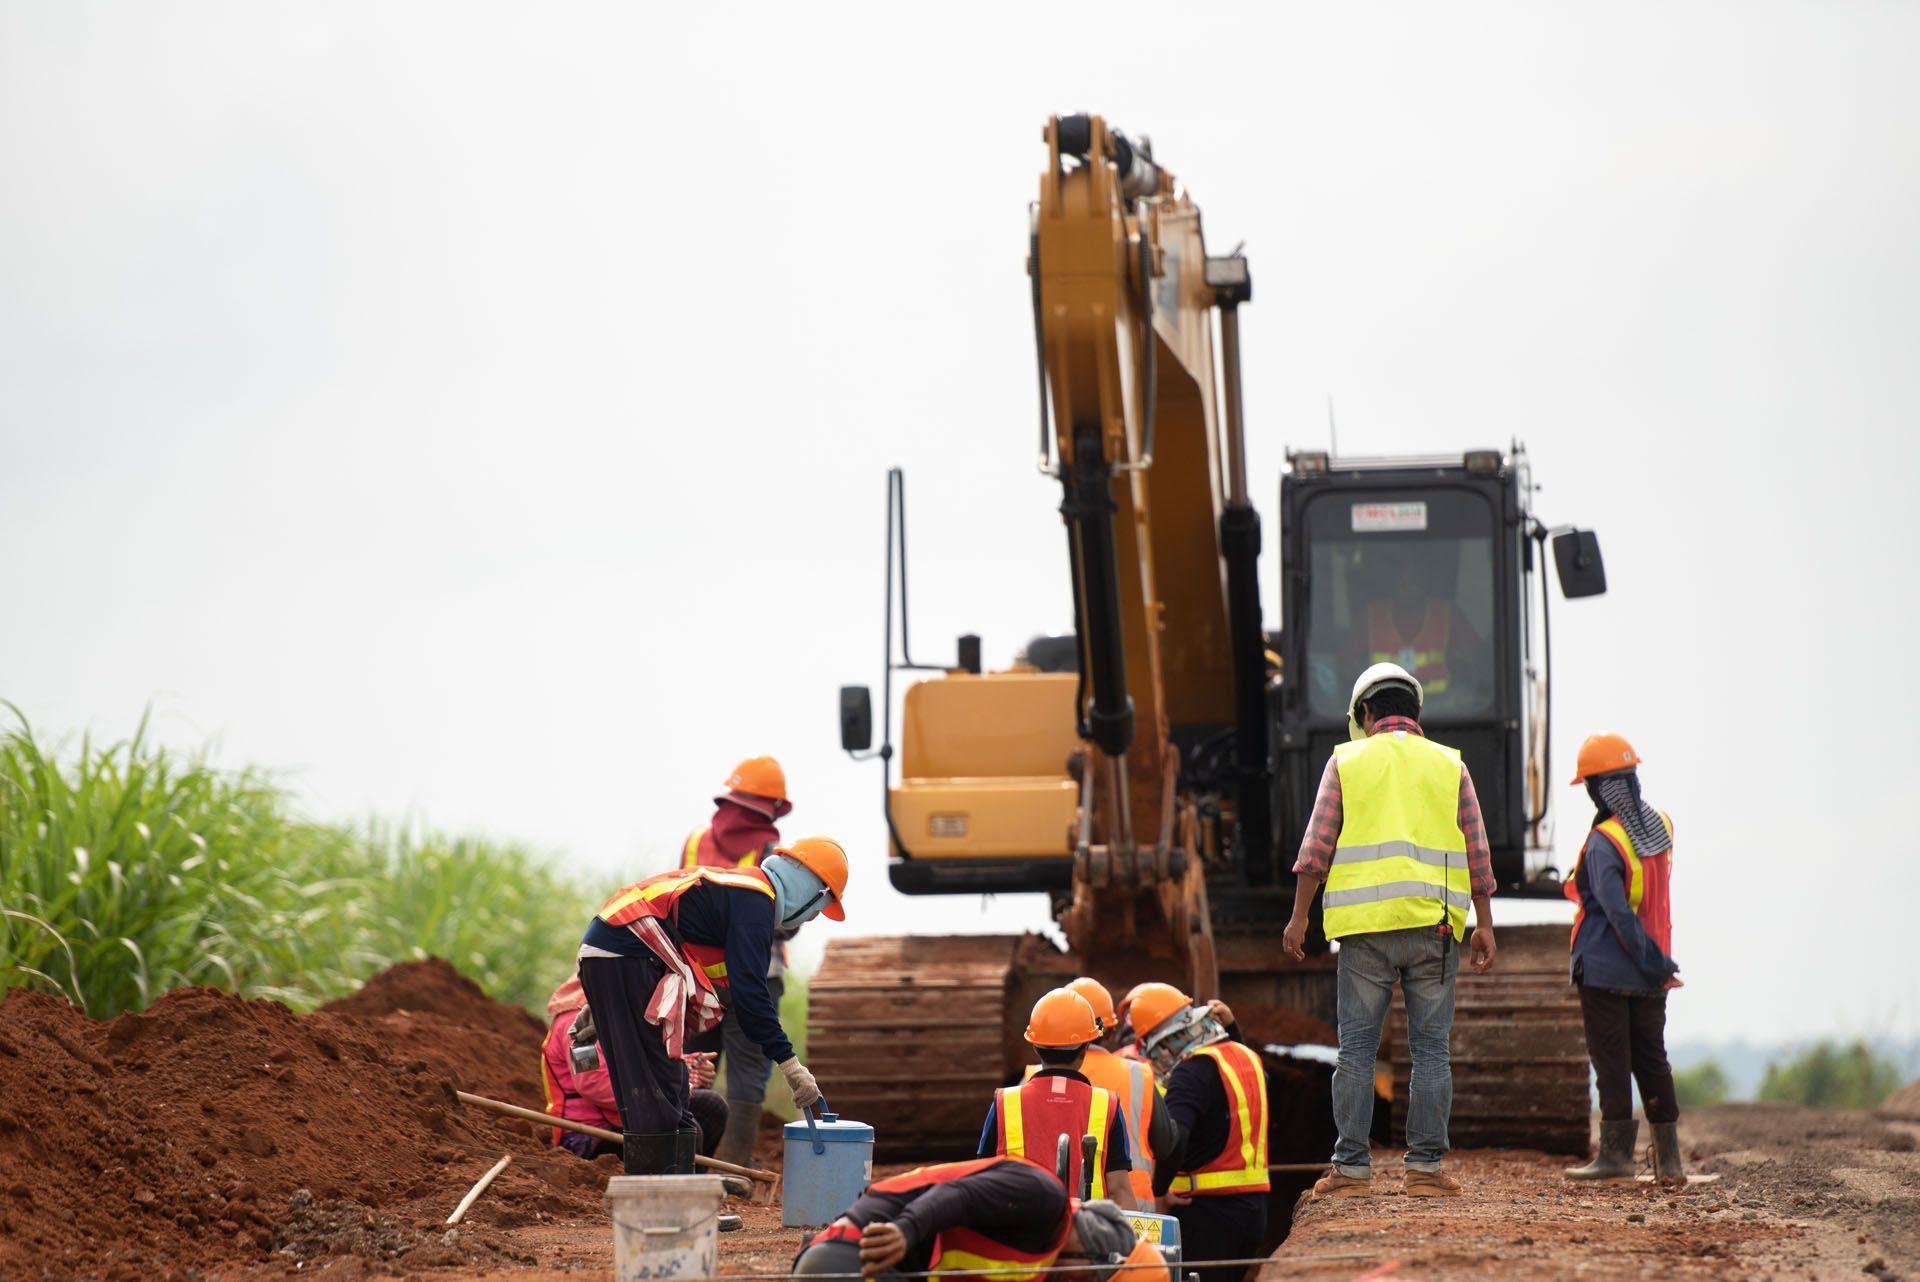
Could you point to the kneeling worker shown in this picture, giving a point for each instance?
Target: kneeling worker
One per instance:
(575, 1080)
(666, 956)
(1213, 1178)
(1029, 1120)
(1006, 1214)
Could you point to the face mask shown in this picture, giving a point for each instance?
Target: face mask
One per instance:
(798, 895)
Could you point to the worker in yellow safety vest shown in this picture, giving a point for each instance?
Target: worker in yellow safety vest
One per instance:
(1213, 1176)
(1030, 1119)
(741, 833)
(1397, 836)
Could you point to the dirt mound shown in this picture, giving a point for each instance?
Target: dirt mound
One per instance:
(1904, 1102)
(215, 1131)
(434, 987)
(1283, 1026)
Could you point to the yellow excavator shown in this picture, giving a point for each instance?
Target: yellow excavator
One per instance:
(1151, 773)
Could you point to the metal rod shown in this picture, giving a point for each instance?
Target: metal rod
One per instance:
(1236, 435)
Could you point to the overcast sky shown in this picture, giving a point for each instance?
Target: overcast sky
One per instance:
(479, 413)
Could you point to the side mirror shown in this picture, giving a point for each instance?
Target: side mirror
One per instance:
(856, 718)
(1576, 554)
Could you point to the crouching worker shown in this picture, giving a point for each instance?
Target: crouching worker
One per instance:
(1213, 1178)
(1058, 1100)
(578, 1088)
(1623, 961)
(1004, 1214)
(666, 957)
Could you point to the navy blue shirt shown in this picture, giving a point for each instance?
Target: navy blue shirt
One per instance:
(1612, 950)
(741, 922)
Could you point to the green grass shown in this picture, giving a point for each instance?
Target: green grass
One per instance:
(129, 869)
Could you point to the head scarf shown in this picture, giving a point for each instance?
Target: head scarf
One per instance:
(798, 895)
(1618, 793)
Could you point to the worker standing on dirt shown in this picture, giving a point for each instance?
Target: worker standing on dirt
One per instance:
(577, 1086)
(1007, 1214)
(741, 833)
(1396, 834)
(1131, 1083)
(1213, 1176)
(1622, 960)
(666, 956)
(1028, 1120)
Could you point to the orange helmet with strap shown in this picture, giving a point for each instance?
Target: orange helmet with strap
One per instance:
(759, 777)
(826, 859)
(1153, 1004)
(1603, 754)
(1100, 999)
(1061, 1020)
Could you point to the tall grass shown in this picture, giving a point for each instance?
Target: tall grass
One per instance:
(126, 870)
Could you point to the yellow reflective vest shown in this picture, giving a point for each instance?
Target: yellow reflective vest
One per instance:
(1401, 859)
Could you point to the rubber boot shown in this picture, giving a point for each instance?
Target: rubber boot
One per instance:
(1667, 1167)
(644, 1154)
(686, 1146)
(1614, 1161)
(743, 1127)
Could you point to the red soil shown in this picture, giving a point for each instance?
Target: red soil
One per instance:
(216, 1131)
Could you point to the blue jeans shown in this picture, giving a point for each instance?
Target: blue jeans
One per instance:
(1425, 965)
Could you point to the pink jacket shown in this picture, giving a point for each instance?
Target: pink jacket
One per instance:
(587, 1097)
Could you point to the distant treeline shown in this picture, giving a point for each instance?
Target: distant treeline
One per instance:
(1825, 1075)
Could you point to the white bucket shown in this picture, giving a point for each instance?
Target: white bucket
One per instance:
(664, 1226)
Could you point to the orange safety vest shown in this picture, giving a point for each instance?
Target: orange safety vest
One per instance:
(657, 897)
(1647, 883)
(1241, 1166)
(700, 852)
(963, 1248)
(1031, 1118)
(1425, 654)
(1130, 1082)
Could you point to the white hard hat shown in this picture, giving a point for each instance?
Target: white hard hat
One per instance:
(1380, 674)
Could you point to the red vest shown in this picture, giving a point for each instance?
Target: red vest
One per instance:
(657, 897)
(963, 1248)
(1241, 1166)
(1648, 884)
(1424, 654)
(1031, 1118)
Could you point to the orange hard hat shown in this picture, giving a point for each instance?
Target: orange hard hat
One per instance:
(826, 859)
(759, 777)
(1100, 999)
(1126, 1003)
(1603, 754)
(1148, 1265)
(1153, 1005)
(1062, 1019)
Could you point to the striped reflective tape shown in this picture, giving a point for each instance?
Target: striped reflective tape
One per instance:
(1352, 895)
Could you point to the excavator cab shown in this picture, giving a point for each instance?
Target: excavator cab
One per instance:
(1429, 563)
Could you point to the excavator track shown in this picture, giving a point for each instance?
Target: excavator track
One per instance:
(1519, 1053)
(908, 1035)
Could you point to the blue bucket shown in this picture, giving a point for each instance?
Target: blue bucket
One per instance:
(829, 1164)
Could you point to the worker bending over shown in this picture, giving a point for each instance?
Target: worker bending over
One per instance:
(1058, 1100)
(666, 956)
(578, 1088)
(1006, 1214)
(1396, 834)
(741, 833)
(1213, 1177)
(1623, 960)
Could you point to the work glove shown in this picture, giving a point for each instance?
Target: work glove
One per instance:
(581, 1030)
(806, 1092)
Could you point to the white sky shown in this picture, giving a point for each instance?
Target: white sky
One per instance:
(479, 412)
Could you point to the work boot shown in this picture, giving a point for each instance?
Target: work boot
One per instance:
(644, 1154)
(686, 1146)
(1668, 1169)
(1334, 1184)
(1431, 1184)
(1614, 1161)
(743, 1127)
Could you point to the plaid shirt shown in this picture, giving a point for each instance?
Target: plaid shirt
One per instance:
(1323, 829)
